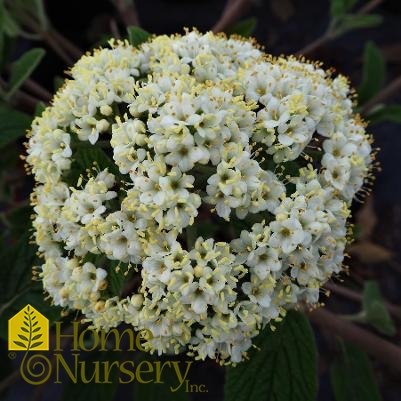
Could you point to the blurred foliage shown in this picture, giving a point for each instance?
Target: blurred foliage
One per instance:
(13, 125)
(22, 69)
(243, 28)
(344, 20)
(137, 35)
(374, 310)
(352, 376)
(373, 73)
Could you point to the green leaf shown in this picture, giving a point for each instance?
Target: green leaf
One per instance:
(285, 368)
(375, 309)
(243, 28)
(87, 154)
(340, 7)
(137, 35)
(13, 125)
(10, 26)
(373, 73)
(160, 392)
(337, 8)
(357, 21)
(117, 277)
(39, 108)
(23, 68)
(385, 113)
(94, 391)
(1, 29)
(352, 377)
(16, 286)
(58, 82)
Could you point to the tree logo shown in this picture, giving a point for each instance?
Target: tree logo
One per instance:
(28, 330)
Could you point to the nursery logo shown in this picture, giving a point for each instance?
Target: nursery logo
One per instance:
(28, 330)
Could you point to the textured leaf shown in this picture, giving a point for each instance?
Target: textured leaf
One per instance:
(352, 377)
(373, 74)
(243, 28)
(23, 68)
(385, 113)
(34, 345)
(375, 309)
(284, 369)
(13, 125)
(20, 344)
(137, 35)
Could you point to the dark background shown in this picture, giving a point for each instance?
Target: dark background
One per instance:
(284, 27)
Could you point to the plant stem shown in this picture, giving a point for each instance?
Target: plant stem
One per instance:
(315, 44)
(384, 351)
(25, 102)
(55, 46)
(326, 37)
(37, 90)
(355, 296)
(391, 89)
(114, 29)
(22, 100)
(127, 11)
(73, 50)
(232, 12)
(368, 7)
(63, 47)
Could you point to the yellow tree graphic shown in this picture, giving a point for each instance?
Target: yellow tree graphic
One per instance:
(31, 322)
(28, 330)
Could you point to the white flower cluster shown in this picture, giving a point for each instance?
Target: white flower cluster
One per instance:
(195, 187)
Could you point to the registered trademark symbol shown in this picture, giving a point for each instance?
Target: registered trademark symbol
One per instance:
(12, 355)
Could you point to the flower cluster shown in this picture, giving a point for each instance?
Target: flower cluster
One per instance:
(196, 187)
